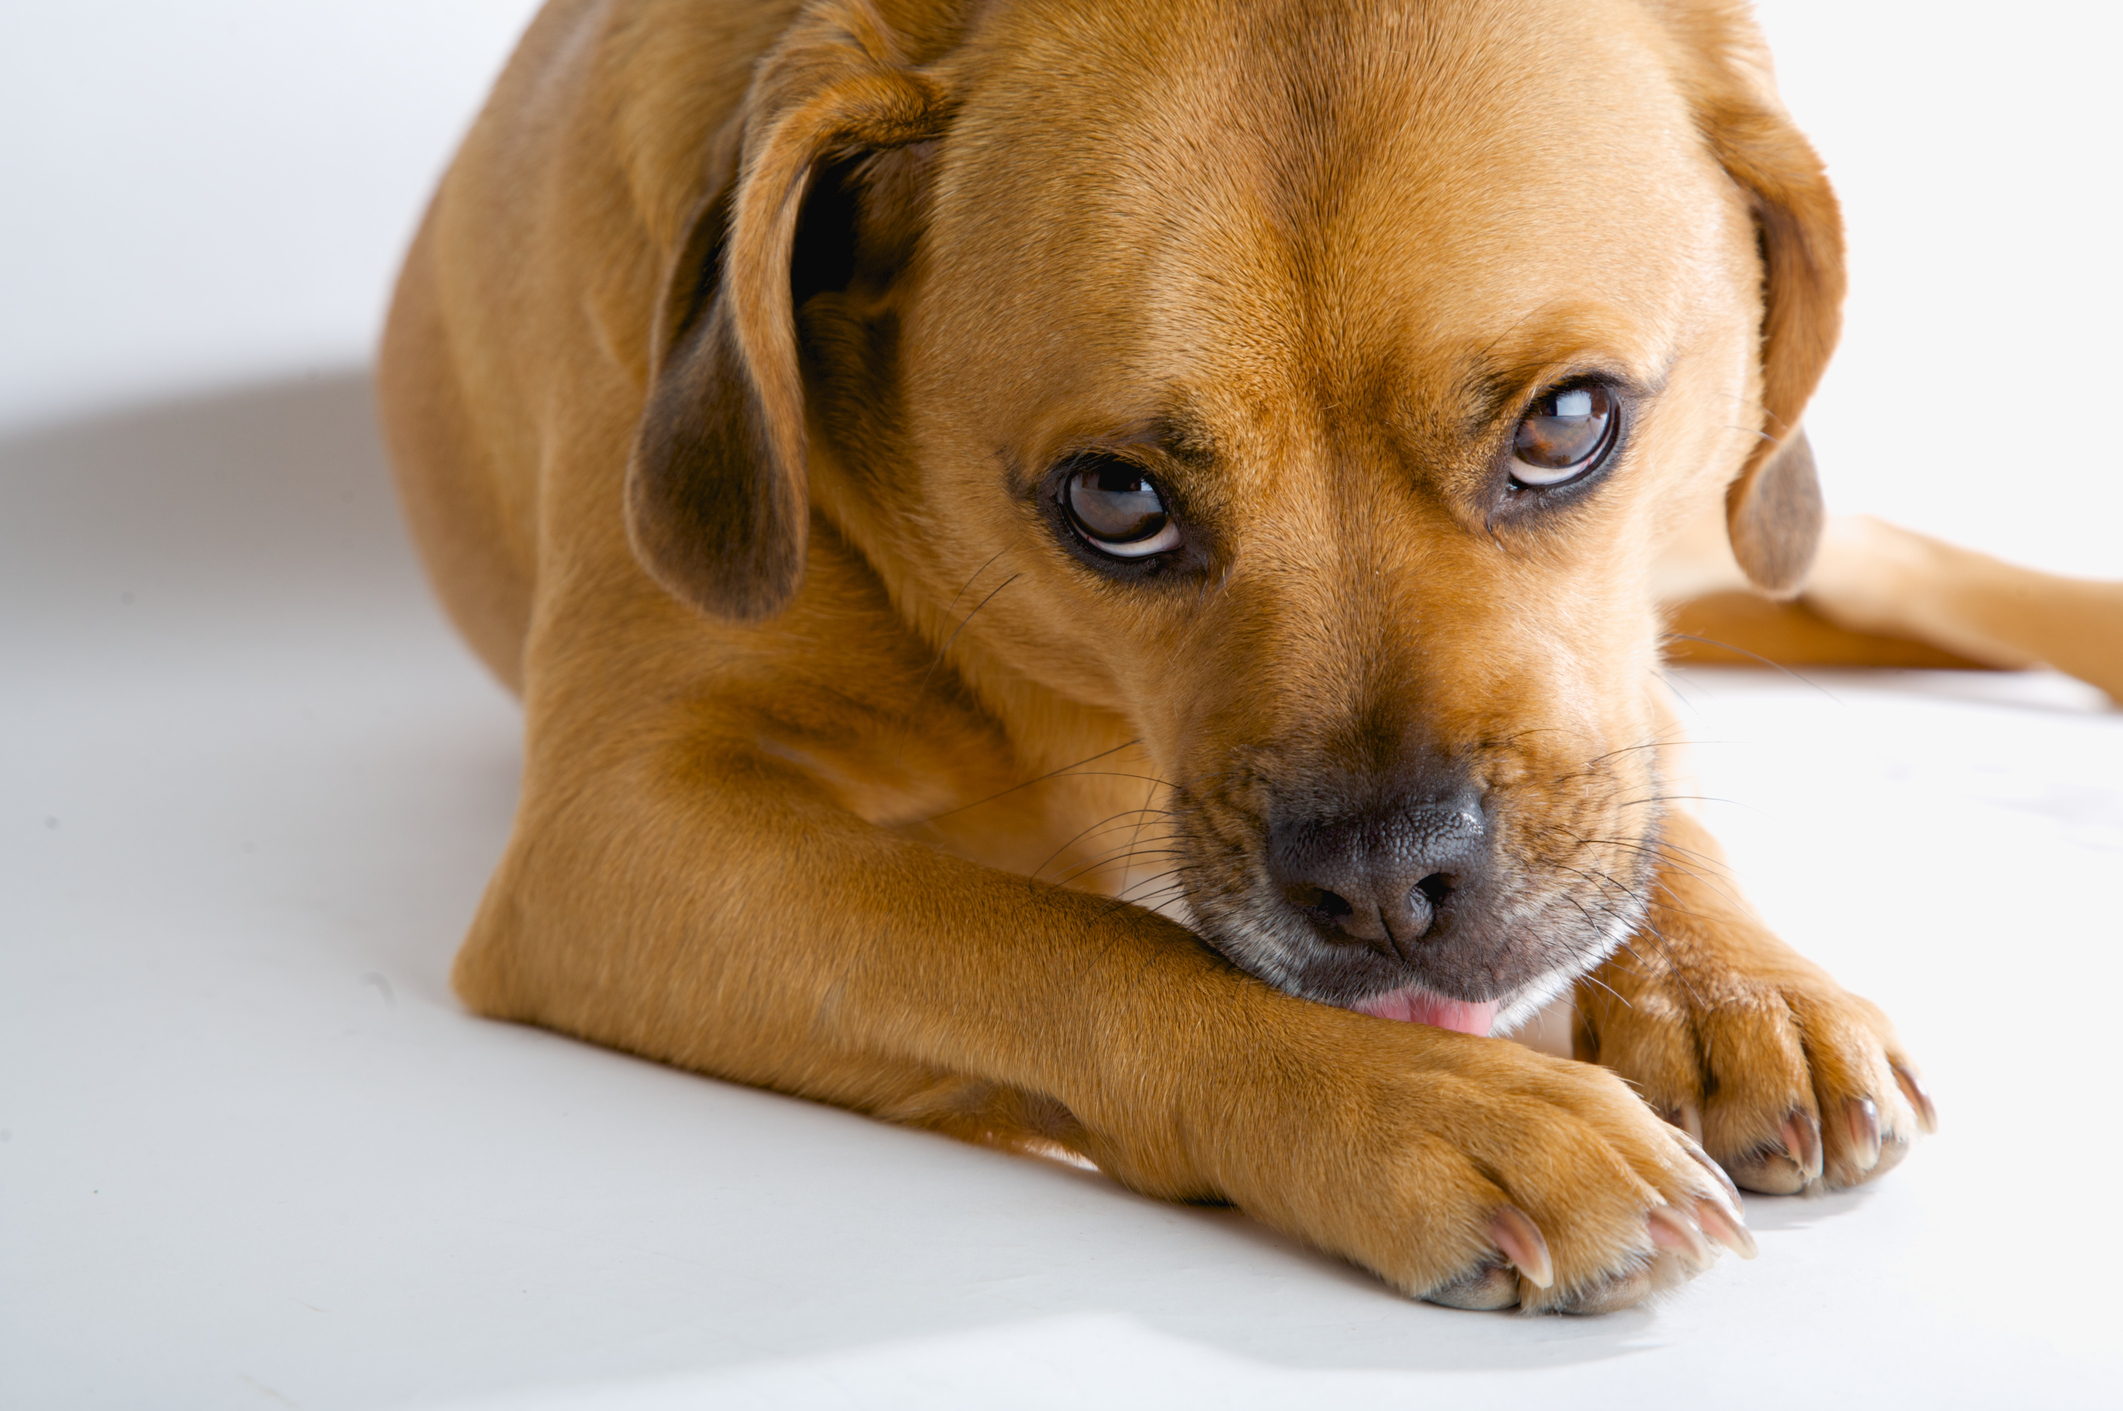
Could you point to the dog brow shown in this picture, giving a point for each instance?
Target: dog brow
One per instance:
(1179, 433)
(1184, 435)
(1495, 389)
(1492, 390)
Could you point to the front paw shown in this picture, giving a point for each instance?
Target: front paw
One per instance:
(1473, 1173)
(1790, 1081)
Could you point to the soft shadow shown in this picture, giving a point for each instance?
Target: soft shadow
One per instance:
(244, 547)
(1800, 1212)
(1342, 1318)
(260, 501)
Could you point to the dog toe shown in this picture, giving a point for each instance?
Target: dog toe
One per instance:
(1610, 1294)
(1783, 1164)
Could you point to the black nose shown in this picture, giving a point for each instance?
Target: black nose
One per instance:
(1381, 876)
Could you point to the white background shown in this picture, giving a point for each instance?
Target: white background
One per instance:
(219, 189)
(251, 1153)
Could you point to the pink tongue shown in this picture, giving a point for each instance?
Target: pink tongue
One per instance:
(1419, 1006)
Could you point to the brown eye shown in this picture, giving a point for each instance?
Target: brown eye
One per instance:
(1117, 508)
(1566, 433)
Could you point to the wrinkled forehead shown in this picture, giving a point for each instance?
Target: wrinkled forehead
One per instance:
(1337, 184)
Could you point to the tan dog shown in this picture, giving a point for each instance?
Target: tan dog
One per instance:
(946, 477)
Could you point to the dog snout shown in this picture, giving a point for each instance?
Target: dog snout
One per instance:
(1383, 877)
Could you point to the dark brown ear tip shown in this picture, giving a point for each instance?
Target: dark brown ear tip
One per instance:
(692, 554)
(746, 604)
(716, 510)
(739, 590)
(1774, 514)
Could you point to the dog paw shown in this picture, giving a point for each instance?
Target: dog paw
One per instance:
(1522, 1273)
(1483, 1176)
(1789, 1081)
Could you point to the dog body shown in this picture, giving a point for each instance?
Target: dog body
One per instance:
(1049, 606)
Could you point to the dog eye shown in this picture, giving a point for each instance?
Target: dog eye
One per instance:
(1118, 509)
(1567, 433)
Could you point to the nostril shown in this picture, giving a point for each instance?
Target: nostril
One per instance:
(1328, 906)
(1435, 888)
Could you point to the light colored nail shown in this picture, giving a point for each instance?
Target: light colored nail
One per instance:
(1671, 1228)
(1727, 1231)
(1919, 1096)
(1861, 1117)
(1802, 1140)
(1731, 1192)
(1522, 1243)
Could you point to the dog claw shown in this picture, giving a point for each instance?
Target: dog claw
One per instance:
(1861, 1119)
(1787, 1163)
(1919, 1096)
(1693, 1145)
(1802, 1142)
(1523, 1244)
(1727, 1231)
(1671, 1228)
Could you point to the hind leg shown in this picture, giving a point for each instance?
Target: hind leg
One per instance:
(1876, 577)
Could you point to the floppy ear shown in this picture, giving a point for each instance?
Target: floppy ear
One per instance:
(717, 500)
(1773, 510)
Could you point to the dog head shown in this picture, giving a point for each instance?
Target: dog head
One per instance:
(1311, 385)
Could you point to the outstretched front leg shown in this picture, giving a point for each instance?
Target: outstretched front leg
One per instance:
(691, 879)
(1787, 1079)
